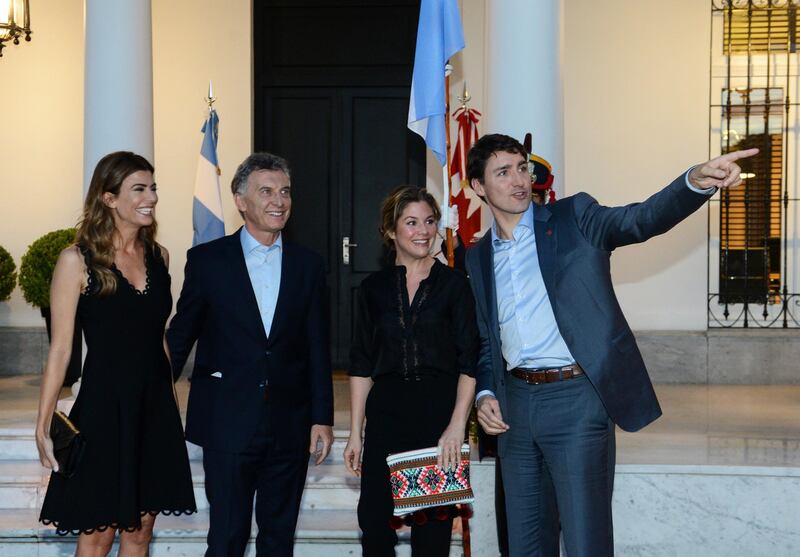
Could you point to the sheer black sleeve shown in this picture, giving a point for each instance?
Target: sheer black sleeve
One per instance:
(362, 349)
(465, 327)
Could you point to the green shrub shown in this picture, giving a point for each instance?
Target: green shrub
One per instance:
(36, 267)
(8, 274)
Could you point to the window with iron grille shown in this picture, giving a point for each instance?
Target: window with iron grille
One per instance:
(753, 263)
(759, 27)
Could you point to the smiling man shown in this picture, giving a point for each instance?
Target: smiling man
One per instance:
(558, 364)
(261, 397)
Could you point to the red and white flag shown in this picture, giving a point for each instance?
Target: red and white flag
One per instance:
(462, 195)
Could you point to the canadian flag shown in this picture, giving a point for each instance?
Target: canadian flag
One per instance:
(462, 195)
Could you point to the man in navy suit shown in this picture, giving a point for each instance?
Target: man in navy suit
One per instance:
(261, 395)
(558, 365)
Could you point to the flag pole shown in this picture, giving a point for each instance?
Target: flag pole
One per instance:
(446, 168)
(466, 542)
(210, 98)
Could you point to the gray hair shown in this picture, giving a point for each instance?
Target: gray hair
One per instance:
(254, 163)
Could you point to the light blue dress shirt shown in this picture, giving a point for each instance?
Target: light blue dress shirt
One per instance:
(529, 335)
(264, 267)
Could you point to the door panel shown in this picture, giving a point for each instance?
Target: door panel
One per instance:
(332, 80)
(299, 125)
(383, 154)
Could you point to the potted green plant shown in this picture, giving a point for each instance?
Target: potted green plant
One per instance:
(35, 275)
(8, 274)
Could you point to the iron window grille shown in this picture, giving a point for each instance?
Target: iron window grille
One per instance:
(753, 230)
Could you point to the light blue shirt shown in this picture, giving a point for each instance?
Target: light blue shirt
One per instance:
(529, 335)
(264, 267)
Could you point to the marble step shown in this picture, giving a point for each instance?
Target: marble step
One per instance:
(659, 511)
(320, 533)
(23, 484)
(19, 444)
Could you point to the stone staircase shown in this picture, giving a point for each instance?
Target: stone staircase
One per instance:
(327, 525)
(718, 476)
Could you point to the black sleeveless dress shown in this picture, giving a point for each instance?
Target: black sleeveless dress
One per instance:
(135, 461)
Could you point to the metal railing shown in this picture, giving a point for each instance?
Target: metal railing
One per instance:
(753, 230)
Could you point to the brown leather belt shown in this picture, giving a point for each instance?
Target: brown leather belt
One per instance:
(547, 375)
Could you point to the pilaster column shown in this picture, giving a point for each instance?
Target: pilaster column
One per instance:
(524, 92)
(118, 80)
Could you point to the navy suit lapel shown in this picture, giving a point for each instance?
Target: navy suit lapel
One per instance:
(246, 297)
(545, 234)
(487, 276)
(286, 288)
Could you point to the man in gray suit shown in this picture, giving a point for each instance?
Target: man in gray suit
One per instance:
(558, 365)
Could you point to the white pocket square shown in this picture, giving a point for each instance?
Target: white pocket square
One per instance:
(217, 374)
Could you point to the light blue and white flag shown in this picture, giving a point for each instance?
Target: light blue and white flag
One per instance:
(439, 36)
(207, 218)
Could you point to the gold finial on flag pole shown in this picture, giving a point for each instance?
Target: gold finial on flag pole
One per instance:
(465, 97)
(210, 98)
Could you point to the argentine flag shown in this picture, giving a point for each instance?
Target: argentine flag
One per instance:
(207, 219)
(439, 36)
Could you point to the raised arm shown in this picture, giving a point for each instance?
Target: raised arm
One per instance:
(720, 172)
(611, 227)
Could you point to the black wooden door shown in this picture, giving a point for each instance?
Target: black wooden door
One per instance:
(339, 116)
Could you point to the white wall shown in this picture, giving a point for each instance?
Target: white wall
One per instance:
(41, 149)
(41, 145)
(194, 41)
(636, 86)
(636, 94)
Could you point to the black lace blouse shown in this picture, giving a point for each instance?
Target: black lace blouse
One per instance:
(434, 334)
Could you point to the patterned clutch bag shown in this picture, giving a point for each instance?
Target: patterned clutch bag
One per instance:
(418, 483)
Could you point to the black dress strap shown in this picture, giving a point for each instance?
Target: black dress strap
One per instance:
(91, 279)
(154, 251)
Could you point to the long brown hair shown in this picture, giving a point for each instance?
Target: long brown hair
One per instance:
(96, 228)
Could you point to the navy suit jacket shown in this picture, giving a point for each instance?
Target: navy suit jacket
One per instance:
(574, 240)
(217, 308)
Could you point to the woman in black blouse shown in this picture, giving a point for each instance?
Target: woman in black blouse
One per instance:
(412, 368)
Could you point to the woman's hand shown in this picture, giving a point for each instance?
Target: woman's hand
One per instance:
(450, 446)
(352, 455)
(46, 456)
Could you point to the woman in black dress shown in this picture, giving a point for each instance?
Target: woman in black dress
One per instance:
(115, 280)
(412, 369)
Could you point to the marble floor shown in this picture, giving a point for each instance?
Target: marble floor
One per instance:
(733, 425)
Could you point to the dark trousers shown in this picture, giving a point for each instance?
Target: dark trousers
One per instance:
(561, 428)
(401, 416)
(549, 530)
(275, 474)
